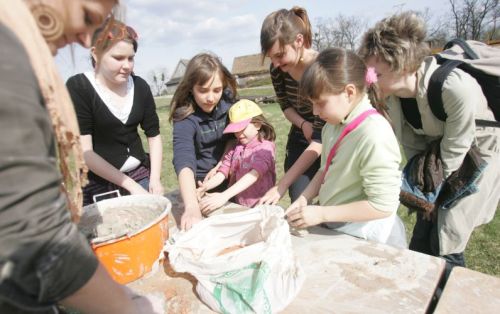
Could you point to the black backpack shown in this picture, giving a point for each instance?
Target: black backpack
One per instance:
(477, 59)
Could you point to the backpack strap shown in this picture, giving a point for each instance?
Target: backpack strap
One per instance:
(437, 79)
(494, 124)
(435, 87)
(465, 47)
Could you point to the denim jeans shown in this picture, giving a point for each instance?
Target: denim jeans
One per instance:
(144, 183)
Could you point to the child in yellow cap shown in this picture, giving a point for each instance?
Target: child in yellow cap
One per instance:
(250, 165)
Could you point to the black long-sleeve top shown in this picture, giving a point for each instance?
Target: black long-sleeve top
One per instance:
(112, 139)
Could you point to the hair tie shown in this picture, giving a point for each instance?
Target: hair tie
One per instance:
(371, 76)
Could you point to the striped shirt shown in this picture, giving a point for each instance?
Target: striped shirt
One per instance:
(288, 95)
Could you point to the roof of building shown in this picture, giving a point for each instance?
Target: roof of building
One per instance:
(179, 71)
(173, 81)
(495, 42)
(250, 64)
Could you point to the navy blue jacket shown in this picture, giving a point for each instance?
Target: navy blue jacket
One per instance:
(198, 140)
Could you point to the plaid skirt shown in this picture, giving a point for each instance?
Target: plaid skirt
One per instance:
(100, 186)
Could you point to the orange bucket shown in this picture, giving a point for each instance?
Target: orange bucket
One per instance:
(130, 256)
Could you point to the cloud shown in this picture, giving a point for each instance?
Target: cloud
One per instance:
(184, 11)
(203, 23)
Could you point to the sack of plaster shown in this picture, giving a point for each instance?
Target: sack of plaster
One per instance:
(244, 262)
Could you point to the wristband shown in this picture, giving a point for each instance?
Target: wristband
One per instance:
(302, 124)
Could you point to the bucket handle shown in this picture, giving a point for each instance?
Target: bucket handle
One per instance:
(94, 197)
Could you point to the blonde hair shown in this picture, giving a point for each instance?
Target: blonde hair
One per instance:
(332, 70)
(199, 70)
(284, 26)
(398, 40)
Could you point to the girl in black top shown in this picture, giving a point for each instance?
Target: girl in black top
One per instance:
(111, 103)
(285, 38)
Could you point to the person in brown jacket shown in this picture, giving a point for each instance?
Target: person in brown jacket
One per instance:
(44, 259)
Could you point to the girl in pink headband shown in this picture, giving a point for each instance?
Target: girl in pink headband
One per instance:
(359, 178)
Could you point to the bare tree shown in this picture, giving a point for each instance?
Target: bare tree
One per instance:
(350, 28)
(157, 80)
(470, 17)
(438, 27)
(492, 32)
(324, 34)
(343, 31)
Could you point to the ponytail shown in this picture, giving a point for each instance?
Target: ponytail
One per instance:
(301, 13)
(373, 92)
(284, 26)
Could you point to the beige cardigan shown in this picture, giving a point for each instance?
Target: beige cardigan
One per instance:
(463, 102)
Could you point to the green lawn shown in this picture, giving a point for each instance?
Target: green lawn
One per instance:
(482, 252)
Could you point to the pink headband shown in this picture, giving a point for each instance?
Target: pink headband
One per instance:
(371, 76)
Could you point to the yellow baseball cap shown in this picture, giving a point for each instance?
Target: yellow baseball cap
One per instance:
(241, 114)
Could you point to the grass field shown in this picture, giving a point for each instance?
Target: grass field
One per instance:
(483, 250)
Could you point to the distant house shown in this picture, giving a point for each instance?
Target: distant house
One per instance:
(494, 43)
(250, 68)
(180, 69)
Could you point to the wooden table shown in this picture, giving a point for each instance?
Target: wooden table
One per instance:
(468, 291)
(343, 275)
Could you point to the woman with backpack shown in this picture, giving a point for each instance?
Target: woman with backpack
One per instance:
(396, 48)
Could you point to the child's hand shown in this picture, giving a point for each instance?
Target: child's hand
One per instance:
(301, 201)
(212, 201)
(212, 172)
(299, 215)
(271, 197)
(201, 190)
(155, 187)
(189, 218)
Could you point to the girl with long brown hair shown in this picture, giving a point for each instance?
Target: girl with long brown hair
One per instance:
(199, 113)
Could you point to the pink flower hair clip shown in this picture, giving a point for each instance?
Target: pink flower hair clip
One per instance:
(371, 76)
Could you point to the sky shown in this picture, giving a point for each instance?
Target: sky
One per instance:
(170, 30)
